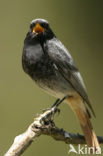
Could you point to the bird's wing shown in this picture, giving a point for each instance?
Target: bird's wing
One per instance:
(66, 66)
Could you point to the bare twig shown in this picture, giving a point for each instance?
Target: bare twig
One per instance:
(44, 124)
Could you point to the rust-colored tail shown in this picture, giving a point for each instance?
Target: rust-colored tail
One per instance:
(79, 109)
(89, 133)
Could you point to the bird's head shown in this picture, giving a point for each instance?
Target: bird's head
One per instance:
(40, 30)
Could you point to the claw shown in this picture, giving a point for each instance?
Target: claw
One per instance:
(58, 111)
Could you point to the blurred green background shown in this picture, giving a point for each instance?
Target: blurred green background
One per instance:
(79, 25)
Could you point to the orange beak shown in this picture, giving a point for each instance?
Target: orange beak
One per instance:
(38, 28)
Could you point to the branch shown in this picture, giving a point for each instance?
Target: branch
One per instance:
(44, 124)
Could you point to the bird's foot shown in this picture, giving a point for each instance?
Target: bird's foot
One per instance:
(49, 118)
(52, 110)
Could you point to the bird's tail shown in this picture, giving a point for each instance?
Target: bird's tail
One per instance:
(80, 110)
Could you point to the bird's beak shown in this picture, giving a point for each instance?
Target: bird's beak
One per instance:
(38, 28)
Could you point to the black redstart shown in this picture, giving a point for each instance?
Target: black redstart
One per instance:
(50, 64)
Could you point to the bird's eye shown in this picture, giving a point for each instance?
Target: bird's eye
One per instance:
(32, 25)
(44, 25)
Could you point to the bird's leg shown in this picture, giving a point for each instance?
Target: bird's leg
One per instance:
(52, 106)
(54, 109)
(58, 102)
(55, 103)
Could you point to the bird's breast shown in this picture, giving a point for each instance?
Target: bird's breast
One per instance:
(36, 63)
(42, 69)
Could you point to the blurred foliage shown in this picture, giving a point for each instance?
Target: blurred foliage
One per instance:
(79, 25)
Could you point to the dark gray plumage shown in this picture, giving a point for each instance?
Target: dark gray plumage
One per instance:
(50, 64)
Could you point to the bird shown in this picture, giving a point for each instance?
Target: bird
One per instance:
(48, 62)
